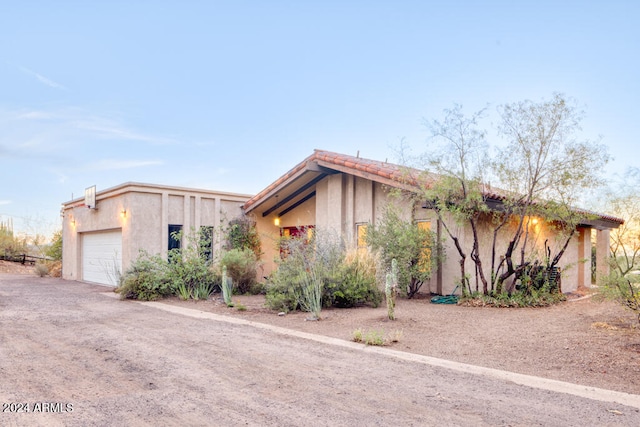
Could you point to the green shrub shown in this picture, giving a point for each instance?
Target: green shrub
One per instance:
(342, 279)
(183, 292)
(146, 279)
(190, 270)
(242, 267)
(279, 299)
(54, 250)
(202, 291)
(415, 249)
(532, 298)
(355, 283)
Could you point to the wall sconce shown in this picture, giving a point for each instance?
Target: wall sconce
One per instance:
(276, 222)
(534, 221)
(72, 221)
(123, 213)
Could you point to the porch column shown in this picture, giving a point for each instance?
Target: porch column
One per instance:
(584, 257)
(602, 254)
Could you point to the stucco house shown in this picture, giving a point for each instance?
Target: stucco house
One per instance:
(344, 194)
(104, 232)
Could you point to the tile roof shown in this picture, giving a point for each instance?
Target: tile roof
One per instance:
(404, 176)
(381, 169)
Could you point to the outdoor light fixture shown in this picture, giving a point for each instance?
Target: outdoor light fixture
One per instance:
(534, 221)
(123, 214)
(276, 221)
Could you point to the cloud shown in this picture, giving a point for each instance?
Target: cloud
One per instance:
(58, 130)
(108, 129)
(113, 164)
(42, 79)
(5, 202)
(35, 115)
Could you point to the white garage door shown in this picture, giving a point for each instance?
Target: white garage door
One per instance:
(102, 257)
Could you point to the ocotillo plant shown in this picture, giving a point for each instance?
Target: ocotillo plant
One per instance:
(391, 289)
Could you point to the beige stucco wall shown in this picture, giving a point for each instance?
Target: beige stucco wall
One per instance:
(342, 201)
(149, 210)
(571, 263)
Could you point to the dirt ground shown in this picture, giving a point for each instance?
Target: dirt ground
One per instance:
(581, 341)
(71, 345)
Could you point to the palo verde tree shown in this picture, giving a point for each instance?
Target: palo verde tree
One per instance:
(624, 202)
(546, 174)
(541, 171)
(456, 185)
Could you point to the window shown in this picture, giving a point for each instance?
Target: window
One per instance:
(361, 236)
(425, 255)
(304, 232)
(174, 236)
(206, 242)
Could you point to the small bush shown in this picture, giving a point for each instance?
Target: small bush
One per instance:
(535, 298)
(242, 267)
(202, 291)
(372, 337)
(355, 283)
(41, 269)
(55, 268)
(183, 292)
(280, 301)
(344, 279)
(188, 269)
(146, 279)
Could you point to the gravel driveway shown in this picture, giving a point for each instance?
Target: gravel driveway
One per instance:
(74, 356)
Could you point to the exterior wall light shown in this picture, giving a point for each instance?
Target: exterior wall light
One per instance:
(276, 222)
(123, 213)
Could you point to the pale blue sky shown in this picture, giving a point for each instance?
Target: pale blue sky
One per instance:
(230, 95)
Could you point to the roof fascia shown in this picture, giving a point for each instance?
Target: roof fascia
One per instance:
(366, 175)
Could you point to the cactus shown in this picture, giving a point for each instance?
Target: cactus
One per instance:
(391, 289)
(227, 287)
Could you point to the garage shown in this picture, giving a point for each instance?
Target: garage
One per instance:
(102, 257)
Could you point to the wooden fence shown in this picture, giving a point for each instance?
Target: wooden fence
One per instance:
(23, 259)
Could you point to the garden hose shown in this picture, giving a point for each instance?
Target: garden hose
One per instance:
(446, 299)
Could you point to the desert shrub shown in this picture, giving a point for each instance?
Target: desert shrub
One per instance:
(54, 250)
(183, 292)
(301, 275)
(621, 288)
(41, 269)
(11, 245)
(530, 298)
(146, 279)
(319, 273)
(188, 269)
(242, 266)
(202, 291)
(55, 268)
(415, 249)
(355, 282)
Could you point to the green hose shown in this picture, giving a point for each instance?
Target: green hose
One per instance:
(446, 299)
